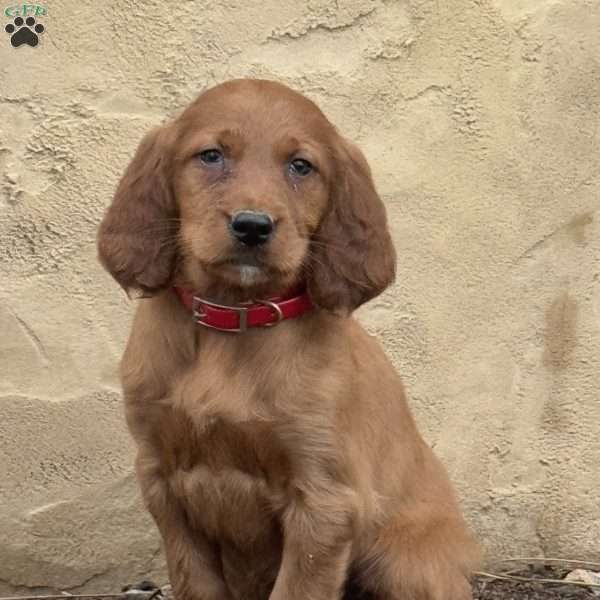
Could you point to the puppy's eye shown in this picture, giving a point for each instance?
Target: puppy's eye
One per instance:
(301, 167)
(212, 157)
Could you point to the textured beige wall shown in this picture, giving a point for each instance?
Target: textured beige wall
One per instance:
(480, 119)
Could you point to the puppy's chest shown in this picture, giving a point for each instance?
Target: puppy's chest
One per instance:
(226, 456)
(229, 476)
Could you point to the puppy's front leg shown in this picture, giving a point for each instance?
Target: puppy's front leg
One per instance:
(318, 531)
(193, 563)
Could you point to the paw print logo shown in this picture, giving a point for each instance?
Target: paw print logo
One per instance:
(24, 32)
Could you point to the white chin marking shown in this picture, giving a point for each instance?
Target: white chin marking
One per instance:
(249, 274)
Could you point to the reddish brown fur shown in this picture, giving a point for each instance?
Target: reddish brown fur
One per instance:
(278, 462)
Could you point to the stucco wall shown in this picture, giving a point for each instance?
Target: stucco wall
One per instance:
(480, 120)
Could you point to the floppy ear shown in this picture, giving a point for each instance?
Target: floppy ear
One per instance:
(353, 256)
(136, 240)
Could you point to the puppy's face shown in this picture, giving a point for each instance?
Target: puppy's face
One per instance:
(249, 191)
(254, 175)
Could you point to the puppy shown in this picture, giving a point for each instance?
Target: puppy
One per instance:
(276, 451)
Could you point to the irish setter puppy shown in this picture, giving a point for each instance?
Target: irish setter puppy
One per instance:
(276, 450)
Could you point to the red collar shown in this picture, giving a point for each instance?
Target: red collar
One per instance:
(259, 313)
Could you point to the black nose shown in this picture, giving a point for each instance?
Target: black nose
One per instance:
(251, 228)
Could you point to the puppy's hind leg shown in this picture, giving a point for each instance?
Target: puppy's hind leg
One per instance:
(422, 560)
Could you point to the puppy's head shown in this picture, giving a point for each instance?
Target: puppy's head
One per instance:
(250, 190)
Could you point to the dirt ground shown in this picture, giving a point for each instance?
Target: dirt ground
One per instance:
(496, 589)
(486, 588)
